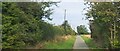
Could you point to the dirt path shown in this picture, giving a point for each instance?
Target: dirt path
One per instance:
(79, 43)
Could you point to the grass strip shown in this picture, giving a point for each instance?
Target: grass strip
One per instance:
(64, 44)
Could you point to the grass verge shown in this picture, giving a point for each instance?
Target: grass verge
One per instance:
(64, 44)
(89, 42)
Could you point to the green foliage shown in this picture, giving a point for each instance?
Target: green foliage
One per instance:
(67, 28)
(48, 31)
(22, 28)
(82, 29)
(89, 42)
(59, 30)
(0, 25)
(38, 10)
(105, 23)
(64, 44)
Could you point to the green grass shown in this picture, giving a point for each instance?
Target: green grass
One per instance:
(65, 44)
(89, 42)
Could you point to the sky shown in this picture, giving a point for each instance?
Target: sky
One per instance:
(74, 13)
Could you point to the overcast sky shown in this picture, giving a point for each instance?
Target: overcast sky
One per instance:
(74, 13)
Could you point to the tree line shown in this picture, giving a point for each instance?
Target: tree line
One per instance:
(82, 29)
(105, 26)
(23, 24)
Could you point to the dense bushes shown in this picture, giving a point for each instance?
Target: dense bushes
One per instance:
(23, 25)
(67, 28)
(21, 28)
(50, 31)
(105, 25)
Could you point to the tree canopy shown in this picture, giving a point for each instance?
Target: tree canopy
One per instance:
(23, 24)
(68, 29)
(82, 29)
(105, 27)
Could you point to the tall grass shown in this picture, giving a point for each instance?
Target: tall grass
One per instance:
(61, 44)
(89, 42)
(92, 45)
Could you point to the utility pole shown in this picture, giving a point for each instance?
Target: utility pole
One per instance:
(65, 15)
(65, 21)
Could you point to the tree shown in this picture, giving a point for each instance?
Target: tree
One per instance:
(0, 25)
(22, 25)
(105, 23)
(82, 29)
(38, 10)
(67, 28)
